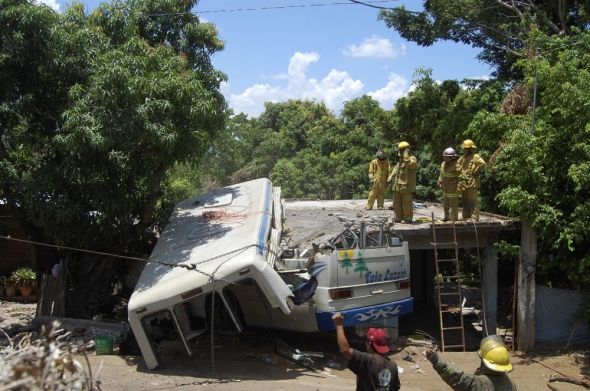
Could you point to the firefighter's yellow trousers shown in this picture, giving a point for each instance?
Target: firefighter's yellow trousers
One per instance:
(451, 207)
(470, 203)
(378, 193)
(402, 204)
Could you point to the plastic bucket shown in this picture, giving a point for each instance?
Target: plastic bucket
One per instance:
(104, 344)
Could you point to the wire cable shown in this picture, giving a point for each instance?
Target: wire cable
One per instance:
(426, 13)
(271, 8)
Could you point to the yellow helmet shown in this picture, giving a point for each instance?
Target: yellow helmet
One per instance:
(468, 144)
(494, 354)
(403, 145)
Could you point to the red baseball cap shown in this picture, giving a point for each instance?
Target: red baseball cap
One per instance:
(378, 338)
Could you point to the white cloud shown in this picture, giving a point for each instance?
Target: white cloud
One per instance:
(388, 95)
(252, 100)
(300, 63)
(50, 3)
(375, 47)
(333, 89)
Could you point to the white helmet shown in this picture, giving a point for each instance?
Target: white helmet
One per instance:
(380, 154)
(449, 152)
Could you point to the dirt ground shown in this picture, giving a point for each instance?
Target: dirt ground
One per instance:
(182, 372)
(236, 369)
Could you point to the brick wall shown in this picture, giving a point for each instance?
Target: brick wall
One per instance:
(12, 254)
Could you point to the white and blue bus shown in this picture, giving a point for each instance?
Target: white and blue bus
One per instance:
(237, 273)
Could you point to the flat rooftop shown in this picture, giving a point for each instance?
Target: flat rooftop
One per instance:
(306, 217)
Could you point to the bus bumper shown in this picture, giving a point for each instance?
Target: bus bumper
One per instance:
(366, 314)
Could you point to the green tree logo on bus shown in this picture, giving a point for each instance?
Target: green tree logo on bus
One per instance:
(345, 261)
(361, 266)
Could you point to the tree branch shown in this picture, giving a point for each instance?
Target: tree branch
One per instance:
(512, 7)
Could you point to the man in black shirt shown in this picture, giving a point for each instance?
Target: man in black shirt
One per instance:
(374, 372)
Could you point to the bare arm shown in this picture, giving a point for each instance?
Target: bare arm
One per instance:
(343, 345)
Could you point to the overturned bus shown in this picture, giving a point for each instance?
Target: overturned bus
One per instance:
(224, 259)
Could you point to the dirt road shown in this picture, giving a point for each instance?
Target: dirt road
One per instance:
(235, 370)
(181, 372)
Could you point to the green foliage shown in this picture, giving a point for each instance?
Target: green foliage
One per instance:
(95, 111)
(499, 28)
(24, 276)
(543, 175)
(508, 250)
(95, 119)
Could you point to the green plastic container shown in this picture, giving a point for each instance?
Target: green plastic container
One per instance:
(104, 344)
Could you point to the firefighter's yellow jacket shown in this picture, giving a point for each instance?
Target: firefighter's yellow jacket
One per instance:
(449, 178)
(460, 381)
(471, 166)
(379, 170)
(403, 175)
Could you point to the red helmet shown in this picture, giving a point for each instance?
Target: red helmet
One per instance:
(449, 152)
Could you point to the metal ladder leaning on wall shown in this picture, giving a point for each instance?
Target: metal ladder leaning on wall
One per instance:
(456, 277)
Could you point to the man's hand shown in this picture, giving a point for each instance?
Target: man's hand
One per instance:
(338, 319)
(439, 183)
(430, 352)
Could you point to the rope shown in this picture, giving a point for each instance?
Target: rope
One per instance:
(190, 266)
(565, 380)
(483, 302)
(569, 379)
(213, 327)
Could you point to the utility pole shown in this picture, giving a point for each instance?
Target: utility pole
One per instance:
(525, 314)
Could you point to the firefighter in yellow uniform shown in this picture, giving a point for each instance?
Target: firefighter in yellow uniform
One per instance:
(378, 172)
(448, 181)
(471, 165)
(403, 177)
(492, 374)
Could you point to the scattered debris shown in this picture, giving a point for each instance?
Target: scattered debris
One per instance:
(45, 363)
(332, 364)
(83, 332)
(264, 357)
(407, 357)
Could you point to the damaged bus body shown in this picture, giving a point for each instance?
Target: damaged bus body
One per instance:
(222, 260)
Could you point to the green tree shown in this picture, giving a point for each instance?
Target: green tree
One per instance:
(435, 116)
(361, 265)
(346, 262)
(498, 27)
(544, 174)
(95, 111)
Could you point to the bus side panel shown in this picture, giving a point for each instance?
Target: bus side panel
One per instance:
(366, 314)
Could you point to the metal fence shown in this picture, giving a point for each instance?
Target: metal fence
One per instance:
(554, 311)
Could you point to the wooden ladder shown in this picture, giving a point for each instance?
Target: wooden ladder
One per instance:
(456, 277)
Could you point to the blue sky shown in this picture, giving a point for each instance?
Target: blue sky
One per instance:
(330, 53)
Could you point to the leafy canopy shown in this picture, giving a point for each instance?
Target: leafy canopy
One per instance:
(96, 109)
(498, 27)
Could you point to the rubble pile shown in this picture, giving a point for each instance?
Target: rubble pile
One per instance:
(44, 361)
